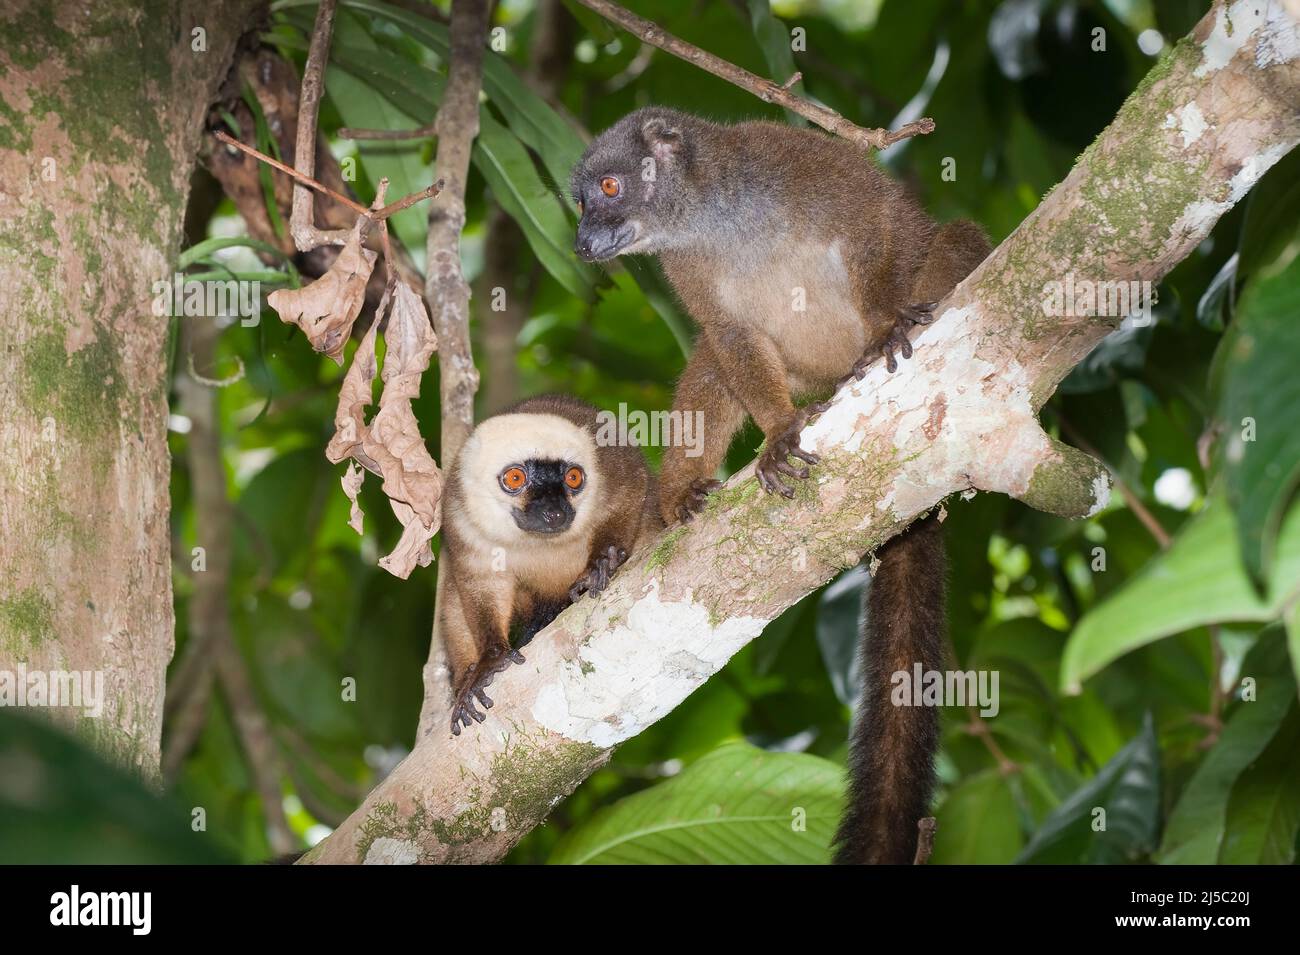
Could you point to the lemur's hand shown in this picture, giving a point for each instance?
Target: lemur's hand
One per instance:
(473, 681)
(597, 575)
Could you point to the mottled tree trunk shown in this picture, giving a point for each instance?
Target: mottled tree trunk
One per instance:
(101, 109)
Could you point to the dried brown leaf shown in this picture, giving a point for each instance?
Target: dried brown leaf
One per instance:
(409, 343)
(352, 480)
(413, 548)
(354, 397)
(326, 309)
(392, 441)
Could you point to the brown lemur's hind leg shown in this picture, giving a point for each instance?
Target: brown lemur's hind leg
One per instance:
(955, 251)
(687, 475)
(958, 247)
(757, 375)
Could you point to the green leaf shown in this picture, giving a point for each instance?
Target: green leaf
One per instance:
(269, 145)
(738, 805)
(774, 38)
(1199, 580)
(1217, 298)
(661, 299)
(529, 116)
(1128, 789)
(1272, 215)
(1264, 809)
(1195, 831)
(513, 179)
(359, 97)
(1293, 637)
(266, 277)
(978, 822)
(838, 614)
(60, 803)
(497, 154)
(204, 249)
(1260, 394)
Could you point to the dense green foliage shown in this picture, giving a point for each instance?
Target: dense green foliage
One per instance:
(1122, 663)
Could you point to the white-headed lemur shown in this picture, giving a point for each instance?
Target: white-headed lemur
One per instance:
(801, 263)
(535, 514)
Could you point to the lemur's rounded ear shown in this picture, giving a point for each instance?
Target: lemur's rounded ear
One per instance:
(663, 139)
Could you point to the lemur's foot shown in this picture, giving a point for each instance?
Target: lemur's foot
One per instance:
(922, 313)
(694, 499)
(597, 575)
(772, 463)
(474, 681)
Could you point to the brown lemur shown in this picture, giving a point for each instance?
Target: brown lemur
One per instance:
(536, 513)
(801, 263)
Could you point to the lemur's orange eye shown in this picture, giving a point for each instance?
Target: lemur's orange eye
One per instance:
(573, 478)
(610, 187)
(513, 479)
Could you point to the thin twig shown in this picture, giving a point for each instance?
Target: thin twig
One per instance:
(445, 288)
(266, 766)
(377, 215)
(187, 711)
(301, 222)
(428, 192)
(290, 171)
(293, 740)
(424, 132)
(766, 90)
(978, 728)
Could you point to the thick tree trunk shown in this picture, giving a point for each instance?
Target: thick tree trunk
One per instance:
(1207, 122)
(101, 109)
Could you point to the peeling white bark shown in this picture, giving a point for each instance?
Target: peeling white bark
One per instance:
(632, 671)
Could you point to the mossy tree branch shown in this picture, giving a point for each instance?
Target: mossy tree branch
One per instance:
(1206, 123)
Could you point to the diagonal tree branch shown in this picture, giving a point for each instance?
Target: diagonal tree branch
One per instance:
(1205, 124)
(768, 91)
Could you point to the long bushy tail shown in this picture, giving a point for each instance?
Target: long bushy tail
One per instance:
(891, 755)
